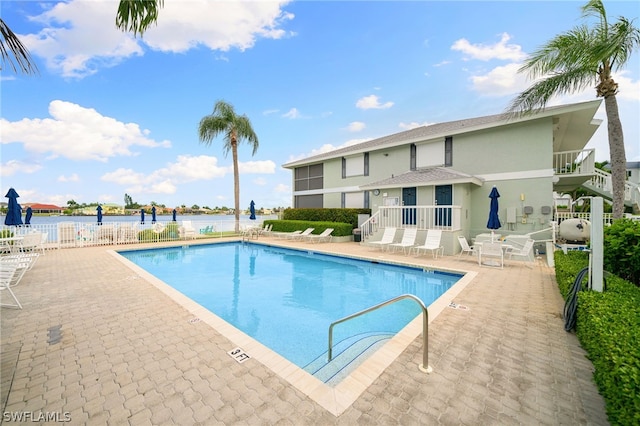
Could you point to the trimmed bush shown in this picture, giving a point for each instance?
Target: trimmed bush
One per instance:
(608, 327)
(326, 215)
(622, 249)
(170, 232)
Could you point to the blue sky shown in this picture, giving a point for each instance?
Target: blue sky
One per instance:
(110, 114)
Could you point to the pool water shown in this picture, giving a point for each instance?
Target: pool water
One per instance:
(286, 299)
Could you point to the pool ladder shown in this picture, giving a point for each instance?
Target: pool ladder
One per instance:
(424, 367)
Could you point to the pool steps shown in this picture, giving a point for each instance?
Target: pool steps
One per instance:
(348, 354)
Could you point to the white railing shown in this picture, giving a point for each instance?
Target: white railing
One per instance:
(581, 162)
(66, 234)
(421, 217)
(601, 181)
(607, 218)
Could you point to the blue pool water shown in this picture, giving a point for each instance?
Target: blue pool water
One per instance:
(286, 299)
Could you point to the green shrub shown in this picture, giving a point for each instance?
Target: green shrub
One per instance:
(6, 233)
(326, 215)
(608, 327)
(622, 249)
(567, 268)
(170, 232)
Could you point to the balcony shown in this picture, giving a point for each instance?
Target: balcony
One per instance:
(573, 168)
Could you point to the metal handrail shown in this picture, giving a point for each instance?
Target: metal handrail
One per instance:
(425, 327)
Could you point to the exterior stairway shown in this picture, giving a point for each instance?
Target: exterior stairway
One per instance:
(601, 185)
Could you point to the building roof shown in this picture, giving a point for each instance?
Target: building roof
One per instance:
(574, 125)
(39, 206)
(426, 176)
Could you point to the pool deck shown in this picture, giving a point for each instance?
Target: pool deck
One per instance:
(129, 354)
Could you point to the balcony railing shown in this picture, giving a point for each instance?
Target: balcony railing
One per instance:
(581, 162)
(421, 217)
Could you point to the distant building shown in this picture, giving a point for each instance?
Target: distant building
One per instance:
(42, 208)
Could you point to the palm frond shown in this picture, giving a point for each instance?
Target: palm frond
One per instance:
(11, 47)
(136, 16)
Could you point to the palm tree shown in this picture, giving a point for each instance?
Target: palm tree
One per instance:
(235, 129)
(585, 57)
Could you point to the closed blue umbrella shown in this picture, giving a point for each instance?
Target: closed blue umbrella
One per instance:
(99, 209)
(27, 217)
(153, 214)
(142, 216)
(14, 211)
(494, 221)
(252, 210)
(174, 213)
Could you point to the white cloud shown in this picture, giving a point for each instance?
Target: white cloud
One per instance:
(263, 167)
(185, 169)
(500, 50)
(77, 133)
(372, 102)
(356, 126)
(280, 188)
(293, 113)
(71, 178)
(413, 125)
(12, 167)
(80, 36)
(500, 81)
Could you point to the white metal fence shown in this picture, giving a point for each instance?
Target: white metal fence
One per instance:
(66, 234)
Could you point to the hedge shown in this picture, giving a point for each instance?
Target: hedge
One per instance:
(608, 327)
(339, 229)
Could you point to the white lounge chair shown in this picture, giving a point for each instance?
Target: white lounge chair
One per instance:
(408, 240)
(387, 238)
(7, 274)
(325, 236)
(465, 247)
(30, 242)
(431, 243)
(283, 235)
(301, 235)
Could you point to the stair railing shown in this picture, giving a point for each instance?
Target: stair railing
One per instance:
(424, 367)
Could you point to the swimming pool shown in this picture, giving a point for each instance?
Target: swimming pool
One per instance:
(265, 290)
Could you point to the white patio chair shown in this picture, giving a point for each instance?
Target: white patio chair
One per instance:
(408, 240)
(301, 235)
(489, 251)
(388, 236)
(465, 247)
(431, 243)
(525, 252)
(187, 230)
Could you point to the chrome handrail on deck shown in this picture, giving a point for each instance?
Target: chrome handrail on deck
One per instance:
(425, 327)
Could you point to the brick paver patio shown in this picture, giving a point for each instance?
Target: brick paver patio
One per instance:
(126, 353)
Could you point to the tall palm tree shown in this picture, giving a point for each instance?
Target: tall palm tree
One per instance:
(235, 128)
(586, 57)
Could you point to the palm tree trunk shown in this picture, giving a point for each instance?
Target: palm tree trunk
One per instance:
(617, 155)
(236, 184)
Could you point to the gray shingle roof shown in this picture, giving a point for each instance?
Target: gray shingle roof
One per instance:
(422, 133)
(430, 175)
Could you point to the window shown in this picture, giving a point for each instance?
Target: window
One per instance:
(366, 164)
(412, 157)
(309, 177)
(353, 200)
(430, 154)
(355, 166)
(448, 151)
(308, 201)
